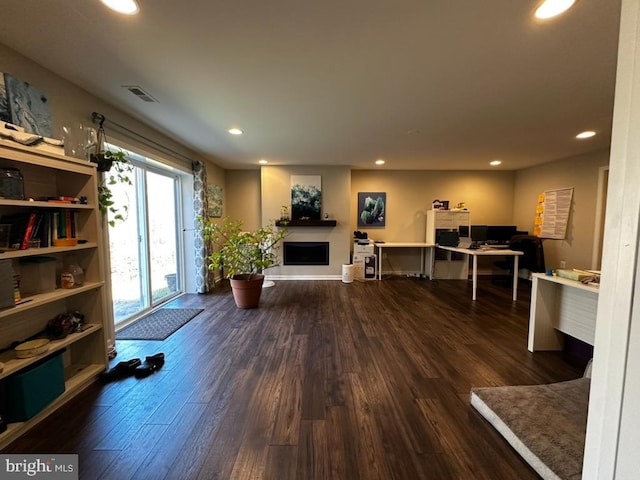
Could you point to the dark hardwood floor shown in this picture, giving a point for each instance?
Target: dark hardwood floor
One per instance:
(325, 380)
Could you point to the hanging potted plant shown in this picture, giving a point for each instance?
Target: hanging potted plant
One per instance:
(243, 256)
(116, 168)
(106, 159)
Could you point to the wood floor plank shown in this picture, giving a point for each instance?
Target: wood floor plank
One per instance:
(281, 462)
(289, 415)
(176, 440)
(325, 380)
(138, 448)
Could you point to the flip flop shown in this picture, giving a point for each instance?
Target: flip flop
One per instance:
(150, 365)
(121, 370)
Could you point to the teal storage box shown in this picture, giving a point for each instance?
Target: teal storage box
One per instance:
(32, 389)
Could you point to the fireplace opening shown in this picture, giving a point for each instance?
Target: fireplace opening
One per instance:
(306, 253)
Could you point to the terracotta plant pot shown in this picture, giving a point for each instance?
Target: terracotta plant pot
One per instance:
(247, 289)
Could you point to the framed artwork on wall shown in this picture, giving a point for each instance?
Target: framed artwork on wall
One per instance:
(371, 209)
(25, 105)
(306, 197)
(214, 200)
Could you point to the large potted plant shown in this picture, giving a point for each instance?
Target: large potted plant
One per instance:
(243, 256)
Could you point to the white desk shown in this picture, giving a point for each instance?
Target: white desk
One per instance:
(560, 305)
(426, 255)
(498, 252)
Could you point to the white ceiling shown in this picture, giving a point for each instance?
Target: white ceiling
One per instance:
(424, 84)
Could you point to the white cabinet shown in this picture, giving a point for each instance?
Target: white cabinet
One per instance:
(449, 265)
(84, 353)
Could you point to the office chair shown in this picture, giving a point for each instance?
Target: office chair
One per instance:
(533, 254)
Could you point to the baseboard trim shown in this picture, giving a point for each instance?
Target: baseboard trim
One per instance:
(303, 277)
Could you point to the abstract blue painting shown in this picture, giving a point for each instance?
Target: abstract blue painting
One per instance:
(25, 105)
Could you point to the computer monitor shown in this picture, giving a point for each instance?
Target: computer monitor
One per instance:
(501, 233)
(479, 233)
(463, 230)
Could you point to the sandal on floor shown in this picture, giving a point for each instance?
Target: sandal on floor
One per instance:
(121, 370)
(150, 365)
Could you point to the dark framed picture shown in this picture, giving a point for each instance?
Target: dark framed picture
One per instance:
(306, 197)
(371, 209)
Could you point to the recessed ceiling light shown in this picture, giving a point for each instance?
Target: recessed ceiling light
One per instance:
(379, 161)
(586, 134)
(235, 131)
(495, 163)
(551, 8)
(127, 7)
(262, 161)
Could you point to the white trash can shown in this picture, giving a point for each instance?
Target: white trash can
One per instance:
(347, 273)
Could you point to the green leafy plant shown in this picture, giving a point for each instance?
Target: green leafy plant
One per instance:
(241, 252)
(117, 169)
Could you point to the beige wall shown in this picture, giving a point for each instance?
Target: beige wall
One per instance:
(581, 173)
(336, 187)
(242, 197)
(487, 195)
(71, 104)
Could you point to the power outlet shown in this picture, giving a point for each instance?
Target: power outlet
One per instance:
(563, 264)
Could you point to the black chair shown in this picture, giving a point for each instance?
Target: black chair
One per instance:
(533, 254)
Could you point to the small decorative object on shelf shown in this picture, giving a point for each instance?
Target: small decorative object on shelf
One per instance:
(284, 213)
(440, 204)
(11, 184)
(32, 348)
(64, 324)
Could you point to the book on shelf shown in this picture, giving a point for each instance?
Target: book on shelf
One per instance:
(65, 224)
(41, 227)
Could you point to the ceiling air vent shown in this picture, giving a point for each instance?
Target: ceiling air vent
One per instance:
(140, 93)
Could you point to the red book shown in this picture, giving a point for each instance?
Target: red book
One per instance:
(27, 232)
(67, 219)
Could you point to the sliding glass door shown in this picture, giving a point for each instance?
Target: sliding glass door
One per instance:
(163, 241)
(144, 248)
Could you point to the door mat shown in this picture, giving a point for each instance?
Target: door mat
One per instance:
(158, 325)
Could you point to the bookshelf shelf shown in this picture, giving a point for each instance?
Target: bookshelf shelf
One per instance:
(30, 252)
(42, 204)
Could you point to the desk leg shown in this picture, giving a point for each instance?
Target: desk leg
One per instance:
(515, 277)
(543, 315)
(429, 254)
(379, 264)
(474, 276)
